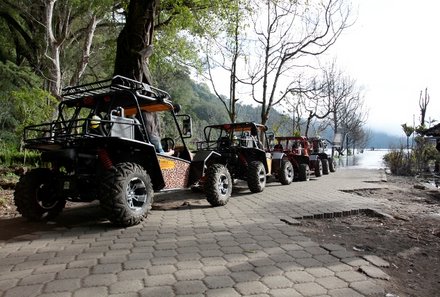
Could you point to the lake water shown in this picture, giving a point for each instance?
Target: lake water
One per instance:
(368, 159)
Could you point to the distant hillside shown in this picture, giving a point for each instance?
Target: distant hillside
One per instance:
(384, 140)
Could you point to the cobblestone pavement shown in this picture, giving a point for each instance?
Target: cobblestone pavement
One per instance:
(248, 247)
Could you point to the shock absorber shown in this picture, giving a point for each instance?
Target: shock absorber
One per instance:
(105, 159)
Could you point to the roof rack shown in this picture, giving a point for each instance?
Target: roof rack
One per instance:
(117, 83)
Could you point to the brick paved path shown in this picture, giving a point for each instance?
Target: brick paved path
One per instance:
(247, 248)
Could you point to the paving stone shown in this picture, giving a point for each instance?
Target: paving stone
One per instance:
(367, 287)
(58, 294)
(216, 270)
(218, 281)
(133, 274)
(112, 260)
(20, 291)
(286, 292)
(30, 265)
(189, 274)
(189, 265)
(239, 266)
(376, 261)
(270, 270)
(351, 276)
(93, 291)
(290, 266)
(342, 254)
(160, 280)
(338, 267)
(300, 276)
(276, 282)
(299, 254)
(355, 262)
(309, 262)
(245, 276)
(344, 292)
(161, 269)
(126, 286)
(106, 268)
(37, 279)
(213, 261)
(251, 288)
(320, 271)
(97, 280)
(222, 292)
(190, 287)
(331, 282)
(7, 284)
(310, 289)
(326, 259)
(164, 261)
(73, 273)
(62, 285)
(82, 263)
(333, 247)
(162, 291)
(374, 272)
(281, 258)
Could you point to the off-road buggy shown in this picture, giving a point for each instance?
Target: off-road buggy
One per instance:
(318, 148)
(242, 149)
(306, 156)
(100, 148)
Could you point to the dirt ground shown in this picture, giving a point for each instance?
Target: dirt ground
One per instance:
(407, 235)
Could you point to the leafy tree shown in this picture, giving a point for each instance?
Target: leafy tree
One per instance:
(22, 103)
(54, 37)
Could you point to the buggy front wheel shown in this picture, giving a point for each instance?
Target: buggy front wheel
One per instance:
(218, 185)
(286, 173)
(126, 194)
(256, 178)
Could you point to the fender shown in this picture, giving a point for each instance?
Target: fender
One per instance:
(199, 164)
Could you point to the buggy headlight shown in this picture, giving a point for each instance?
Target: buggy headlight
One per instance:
(94, 122)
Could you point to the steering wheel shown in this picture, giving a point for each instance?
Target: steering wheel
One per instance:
(106, 124)
(167, 144)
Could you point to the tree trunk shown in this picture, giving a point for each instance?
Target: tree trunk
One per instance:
(134, 45)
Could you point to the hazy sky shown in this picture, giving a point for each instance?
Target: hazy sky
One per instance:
(393, 50)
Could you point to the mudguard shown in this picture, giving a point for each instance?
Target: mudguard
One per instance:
(199, 164)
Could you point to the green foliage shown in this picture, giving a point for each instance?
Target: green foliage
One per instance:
(398, 162)
(408, 130)
(12, 157)
(22, 103)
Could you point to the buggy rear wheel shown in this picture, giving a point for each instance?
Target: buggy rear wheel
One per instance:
(256, 178)
(325, 166)
(318, 168)
(35, 195)
(304, 172)
(286, 172)
(126, 194)
(218, 185)
(332, 165)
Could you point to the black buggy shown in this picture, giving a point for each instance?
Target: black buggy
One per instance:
(100, 148)
(243, 149)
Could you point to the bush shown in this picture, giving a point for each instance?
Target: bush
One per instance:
(12, 158)
(398, 161)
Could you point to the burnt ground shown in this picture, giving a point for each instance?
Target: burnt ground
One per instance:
(407, 234)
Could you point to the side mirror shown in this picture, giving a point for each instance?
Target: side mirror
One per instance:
(186, 125)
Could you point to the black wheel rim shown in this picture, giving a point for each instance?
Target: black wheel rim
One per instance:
(45, 197)
(223, 185)
(136, 194)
